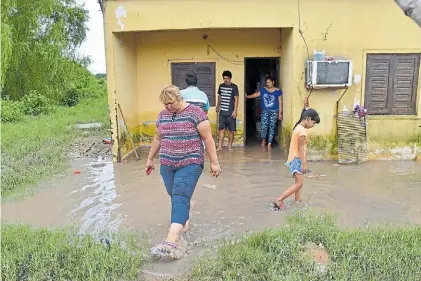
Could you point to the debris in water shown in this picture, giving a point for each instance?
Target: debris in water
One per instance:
(337, 165)
(211, 186)
(76, 172)
(99, 165)
(106, 243)
(107, 141)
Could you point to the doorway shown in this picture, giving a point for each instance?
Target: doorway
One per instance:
(255, 73)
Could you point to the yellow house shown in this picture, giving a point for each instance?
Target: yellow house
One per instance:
(153, 43)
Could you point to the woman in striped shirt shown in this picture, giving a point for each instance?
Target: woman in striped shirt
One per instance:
(181, 127)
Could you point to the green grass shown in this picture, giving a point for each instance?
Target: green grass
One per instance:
(383, 253)
(33, 149)
(29, 254)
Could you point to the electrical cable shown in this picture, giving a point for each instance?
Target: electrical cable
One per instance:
(305, 43)
(236, 62)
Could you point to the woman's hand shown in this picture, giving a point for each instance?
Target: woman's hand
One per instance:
(149, 166)
(281, 115)
(215, 169)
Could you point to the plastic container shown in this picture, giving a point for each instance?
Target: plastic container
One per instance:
(319, 55)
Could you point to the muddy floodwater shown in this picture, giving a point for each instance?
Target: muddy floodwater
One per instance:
(112, 197)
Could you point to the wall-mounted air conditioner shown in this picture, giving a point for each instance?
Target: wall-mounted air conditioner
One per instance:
(328, 74)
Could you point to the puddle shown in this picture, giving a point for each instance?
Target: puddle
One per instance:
(109, 197)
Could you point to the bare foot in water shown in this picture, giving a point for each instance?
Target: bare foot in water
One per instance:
(263, 144)
(270, 146)
(219, 148)
(230, 149)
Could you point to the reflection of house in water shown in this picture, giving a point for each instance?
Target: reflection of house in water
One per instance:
(150, 44)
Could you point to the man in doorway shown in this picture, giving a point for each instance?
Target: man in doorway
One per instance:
(193, 95)
(227, 109)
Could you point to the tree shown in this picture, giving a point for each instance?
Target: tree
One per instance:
(41, 37)
(411, 8)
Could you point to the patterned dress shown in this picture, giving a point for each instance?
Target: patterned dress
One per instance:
(181, 144)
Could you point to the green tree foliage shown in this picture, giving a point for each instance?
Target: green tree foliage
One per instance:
(39, 40)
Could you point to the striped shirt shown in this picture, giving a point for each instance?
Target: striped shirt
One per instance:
(227, 94)
(181, 143)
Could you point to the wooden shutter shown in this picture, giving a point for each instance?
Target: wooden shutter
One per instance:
(405, 83)
(178, 73)
(377, 83)
(205, 72)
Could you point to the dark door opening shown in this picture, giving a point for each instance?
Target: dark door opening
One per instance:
(256, 71)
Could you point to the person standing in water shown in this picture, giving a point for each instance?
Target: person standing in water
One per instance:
(297, 158)
(271, 105)
(227, 109)
(181, 127)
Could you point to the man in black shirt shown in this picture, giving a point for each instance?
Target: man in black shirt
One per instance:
(227, 109)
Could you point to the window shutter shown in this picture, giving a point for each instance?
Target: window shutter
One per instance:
(178, 73)
(205, 72)
(378, 75)
(405, 83)
(206, 79)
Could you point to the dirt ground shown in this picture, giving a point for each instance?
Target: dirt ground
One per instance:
(90, 146)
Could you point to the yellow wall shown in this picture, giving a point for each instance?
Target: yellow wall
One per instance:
(345, 28)
(157, 50)
(125, 62)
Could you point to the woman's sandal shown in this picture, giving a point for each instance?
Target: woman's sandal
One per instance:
(278, 205)
(168, 249)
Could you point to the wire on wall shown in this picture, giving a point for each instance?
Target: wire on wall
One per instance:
(304, 40)
(236, 62)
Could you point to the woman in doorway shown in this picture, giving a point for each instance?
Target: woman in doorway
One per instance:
(271, 105)
(181, 127)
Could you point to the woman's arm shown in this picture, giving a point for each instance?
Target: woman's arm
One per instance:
(205, 132)
(156, 145)
(252, 96)
(281, 112)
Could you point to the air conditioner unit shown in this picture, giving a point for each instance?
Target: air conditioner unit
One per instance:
(328, 74)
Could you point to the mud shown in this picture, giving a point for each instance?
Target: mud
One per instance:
(108, 197)
(89, 147)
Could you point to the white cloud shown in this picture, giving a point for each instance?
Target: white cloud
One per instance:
(93, 46)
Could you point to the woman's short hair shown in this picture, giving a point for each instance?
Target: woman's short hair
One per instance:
(170, 94)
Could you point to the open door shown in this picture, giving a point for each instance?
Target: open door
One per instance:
(256, 71)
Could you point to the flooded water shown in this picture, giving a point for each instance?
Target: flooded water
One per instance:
(111, 197)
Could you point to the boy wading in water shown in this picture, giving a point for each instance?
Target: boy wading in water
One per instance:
(297, 160)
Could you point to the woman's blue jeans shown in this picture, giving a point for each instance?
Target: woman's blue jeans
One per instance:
(180, 183)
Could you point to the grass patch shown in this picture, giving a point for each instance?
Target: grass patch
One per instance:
(29, 254)
(383, 253)
(32, 149)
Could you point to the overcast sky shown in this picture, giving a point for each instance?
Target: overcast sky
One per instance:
(94, 43)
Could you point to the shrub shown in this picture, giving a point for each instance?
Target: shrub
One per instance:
(71, 97)
(11, 111)
(35, 104)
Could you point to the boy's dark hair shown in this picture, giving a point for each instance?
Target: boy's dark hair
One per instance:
(310, 112)
(227, 73)
(191, 79)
